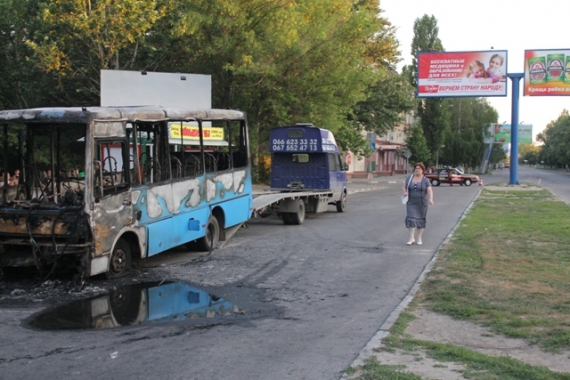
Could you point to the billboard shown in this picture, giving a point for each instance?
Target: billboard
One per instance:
(453, 74)
(546, 72)
(141, 88)
(502, 133)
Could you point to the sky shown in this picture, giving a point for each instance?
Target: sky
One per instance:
(502, 25)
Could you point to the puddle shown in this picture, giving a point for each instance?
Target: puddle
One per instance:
(134, 305)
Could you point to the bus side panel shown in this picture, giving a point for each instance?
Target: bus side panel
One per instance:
(159, 236)
(232, 192)
(188, 226)
(237, 210)
(313, 174)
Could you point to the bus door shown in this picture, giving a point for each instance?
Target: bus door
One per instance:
(112, 207)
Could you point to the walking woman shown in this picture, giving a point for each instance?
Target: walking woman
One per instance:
(420, 195)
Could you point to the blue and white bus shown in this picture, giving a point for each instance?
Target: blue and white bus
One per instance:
(126, 183)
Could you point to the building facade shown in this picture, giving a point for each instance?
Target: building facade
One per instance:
(389, 153)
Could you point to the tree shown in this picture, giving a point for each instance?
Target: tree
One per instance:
(282, 61)
(417, 144)
(529, 153)
(386, 102)
(469, 123)
(75, 39)
(497, 154)
(433, 112)
(556, 140)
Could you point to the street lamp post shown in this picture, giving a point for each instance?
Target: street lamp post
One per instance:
(437, 156)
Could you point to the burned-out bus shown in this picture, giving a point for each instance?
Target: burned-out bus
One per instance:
(100, 187)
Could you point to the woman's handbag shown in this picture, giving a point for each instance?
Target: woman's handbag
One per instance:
(405, 197)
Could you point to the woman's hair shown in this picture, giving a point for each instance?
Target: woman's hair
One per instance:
(497, 56)
(473, 65)
(421, 165)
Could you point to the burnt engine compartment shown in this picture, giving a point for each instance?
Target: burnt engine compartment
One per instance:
(48, 236)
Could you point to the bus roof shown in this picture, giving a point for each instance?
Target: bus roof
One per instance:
(138, 113)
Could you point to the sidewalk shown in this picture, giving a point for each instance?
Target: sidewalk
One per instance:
(355, 185)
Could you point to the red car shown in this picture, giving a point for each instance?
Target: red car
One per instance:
(453, 176)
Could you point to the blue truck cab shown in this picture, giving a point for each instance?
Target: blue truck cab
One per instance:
(306, 158)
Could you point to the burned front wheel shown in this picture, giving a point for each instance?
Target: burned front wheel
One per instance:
(120, 263)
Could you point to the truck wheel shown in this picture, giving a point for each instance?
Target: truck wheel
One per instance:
(286, 216)
(210, 241)
(435, 182)
(467, 182)
(341, 203)
(120, 263)
(299, 216)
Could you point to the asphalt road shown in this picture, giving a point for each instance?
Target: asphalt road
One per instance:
(313, 295)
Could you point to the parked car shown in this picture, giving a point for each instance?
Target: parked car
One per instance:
(451, 176)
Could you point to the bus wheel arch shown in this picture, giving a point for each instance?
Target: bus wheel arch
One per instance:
(212, 237)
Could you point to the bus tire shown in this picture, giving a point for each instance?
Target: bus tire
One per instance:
(125, 304)
(298, 217)
(120, 261)
(341, 203)
(210, 240)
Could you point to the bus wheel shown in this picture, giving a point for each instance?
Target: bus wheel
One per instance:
(125, 304)
(299, 216)
(341, 203)
(210, 241)
(120, 264)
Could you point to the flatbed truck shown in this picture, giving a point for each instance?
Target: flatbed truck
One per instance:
(307, 174)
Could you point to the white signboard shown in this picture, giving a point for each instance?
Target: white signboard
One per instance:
(142, 88)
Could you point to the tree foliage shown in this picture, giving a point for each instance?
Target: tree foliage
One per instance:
(497, 154)
(433, 112)
(469, 123)
(529, 154)
(417, 144)
(556, 139)
(281, 61)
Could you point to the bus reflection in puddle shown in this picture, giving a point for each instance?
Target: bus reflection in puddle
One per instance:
(134, 305)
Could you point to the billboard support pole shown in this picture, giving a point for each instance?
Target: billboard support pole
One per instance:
(515, 78)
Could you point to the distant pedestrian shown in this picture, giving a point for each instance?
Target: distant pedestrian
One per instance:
(420, 195)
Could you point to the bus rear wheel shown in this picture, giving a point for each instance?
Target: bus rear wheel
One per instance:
(210, 241)
(120, 262)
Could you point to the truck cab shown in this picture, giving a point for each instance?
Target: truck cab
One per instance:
(307, 158)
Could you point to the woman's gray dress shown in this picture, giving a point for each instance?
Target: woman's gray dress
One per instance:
(417, 203)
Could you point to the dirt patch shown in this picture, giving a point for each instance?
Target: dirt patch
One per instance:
(440, 328)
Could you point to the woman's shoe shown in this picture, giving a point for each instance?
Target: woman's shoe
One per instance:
(411, 242)
(419, 243)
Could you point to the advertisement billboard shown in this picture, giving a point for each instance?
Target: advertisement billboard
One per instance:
(546, 72)
(502, 133)
(453, 74)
